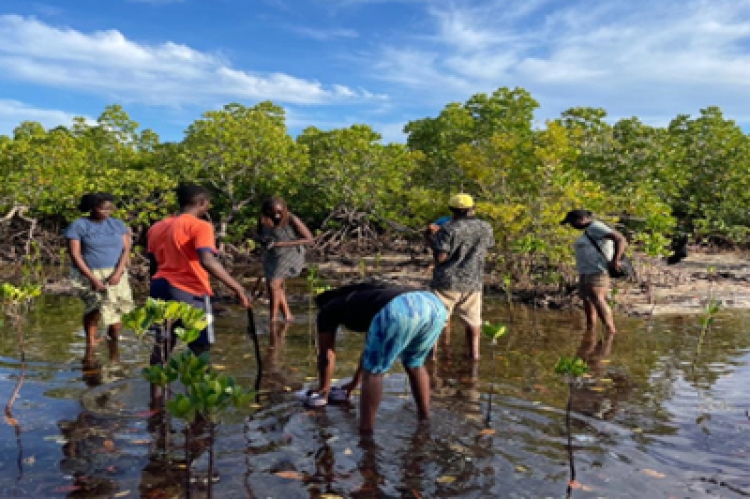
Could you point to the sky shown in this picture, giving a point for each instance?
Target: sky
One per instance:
(335, 63)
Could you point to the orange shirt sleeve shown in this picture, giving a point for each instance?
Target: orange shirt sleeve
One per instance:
(204, 237)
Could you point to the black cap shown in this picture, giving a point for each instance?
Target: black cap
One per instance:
(574, 215)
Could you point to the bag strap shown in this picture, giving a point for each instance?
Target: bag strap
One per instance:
(598, 248)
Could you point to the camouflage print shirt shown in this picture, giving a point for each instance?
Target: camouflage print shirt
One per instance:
(465, 241)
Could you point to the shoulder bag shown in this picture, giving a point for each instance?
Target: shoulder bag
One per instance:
(626, 266)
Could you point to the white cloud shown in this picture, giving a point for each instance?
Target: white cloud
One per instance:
(324, 34)
(12, 113)
(635, 58)
(108, 63)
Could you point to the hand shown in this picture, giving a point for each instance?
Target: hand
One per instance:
(98, 285)
(614, 265)
(244, 300)
(267, 242)
(114, 279)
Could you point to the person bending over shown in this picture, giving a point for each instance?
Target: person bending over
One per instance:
(399, 322)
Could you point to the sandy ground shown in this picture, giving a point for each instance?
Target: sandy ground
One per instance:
(686, 287)
(660, 289)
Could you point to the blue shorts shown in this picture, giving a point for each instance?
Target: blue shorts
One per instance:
(408, 326)
(161, 290)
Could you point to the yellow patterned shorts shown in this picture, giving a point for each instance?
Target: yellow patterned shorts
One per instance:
(112, 303)
(587, 283)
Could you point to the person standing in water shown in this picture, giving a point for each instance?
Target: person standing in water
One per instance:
(99, 247)
(282, 237)
(182, 253)
(593, 277)
(460, 249)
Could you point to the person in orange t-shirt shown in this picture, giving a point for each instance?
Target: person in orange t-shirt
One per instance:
(182, 253)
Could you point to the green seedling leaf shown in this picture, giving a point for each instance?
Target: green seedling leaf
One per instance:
(494, 331)
(574, 366)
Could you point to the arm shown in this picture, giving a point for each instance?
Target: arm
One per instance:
(356, 379)
(440, 257)
(74, 247)
(620, 245)
(214, 267)
(305, 236)
(124, 261)
(440, 246)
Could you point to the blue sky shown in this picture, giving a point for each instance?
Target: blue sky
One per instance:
(334, 63)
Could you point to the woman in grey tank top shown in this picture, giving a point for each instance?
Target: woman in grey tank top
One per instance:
(283, 238)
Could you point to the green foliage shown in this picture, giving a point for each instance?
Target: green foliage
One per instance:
(525, 175)
(245, 154)
(494, 331)
(710, 310)
(351, 168)
(16, 295)
(207, 393)
(574, 367)
(159, 313)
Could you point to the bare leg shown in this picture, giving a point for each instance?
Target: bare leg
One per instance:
(113, 345)
(113, 332)
(326, 361)
(591, 319)
(444, 341)
(472, 342)
(599, 299)
(288, 317)
(277, 299)
(588, 343)
(372, 393)
(90, 325)
(419, 380)
(273, 300)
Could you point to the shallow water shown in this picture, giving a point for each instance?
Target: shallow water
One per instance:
(652, 420)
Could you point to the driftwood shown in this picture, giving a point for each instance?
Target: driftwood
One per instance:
(351, 231)
(19, 211)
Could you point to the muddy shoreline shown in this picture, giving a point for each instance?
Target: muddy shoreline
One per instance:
(659, 289)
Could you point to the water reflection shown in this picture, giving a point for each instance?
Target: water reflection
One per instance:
(89, 449)
(646, 423)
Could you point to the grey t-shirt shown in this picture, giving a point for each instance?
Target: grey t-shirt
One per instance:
(588, 259)
(101, 242)
(466, 241)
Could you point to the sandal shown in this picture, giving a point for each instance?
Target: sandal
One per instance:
(316, 399)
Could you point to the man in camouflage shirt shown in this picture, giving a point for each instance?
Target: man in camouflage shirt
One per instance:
(460, 249)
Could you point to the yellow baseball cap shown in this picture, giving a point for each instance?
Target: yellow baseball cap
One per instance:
(461, 202)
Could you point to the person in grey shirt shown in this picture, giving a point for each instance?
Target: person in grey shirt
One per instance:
(593, 268)
(460, 250)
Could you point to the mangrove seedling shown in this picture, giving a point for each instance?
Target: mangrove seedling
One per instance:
(204, 394)
(12, 301)
(571, 368)
(493, 332)
(710, 310)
